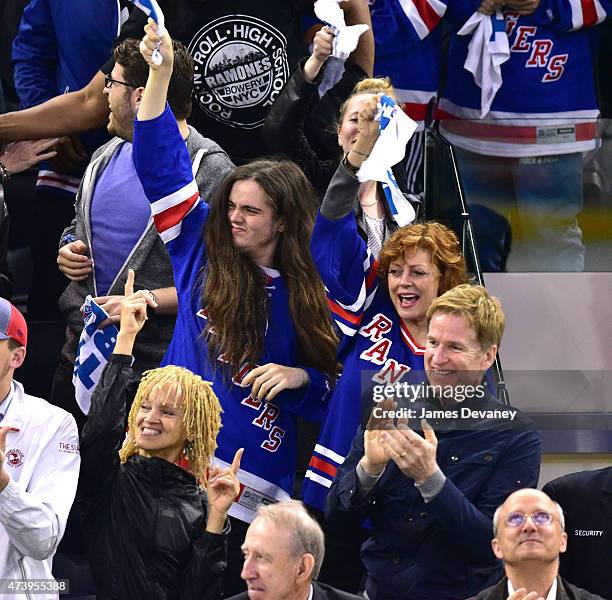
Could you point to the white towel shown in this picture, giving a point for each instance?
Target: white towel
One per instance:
(153, 10)
(396, 128)
(488, 50)
(95, 347)
(346, 36)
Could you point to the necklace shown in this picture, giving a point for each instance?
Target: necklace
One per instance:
(370, 204)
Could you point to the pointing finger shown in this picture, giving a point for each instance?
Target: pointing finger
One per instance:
(129, 284)
(236, 462)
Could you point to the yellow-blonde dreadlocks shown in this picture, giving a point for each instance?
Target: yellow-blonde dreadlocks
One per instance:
(201, 413)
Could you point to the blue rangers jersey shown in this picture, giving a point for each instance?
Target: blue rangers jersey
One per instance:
(266, 430)
(376, 347)
(407, 39)
(546, 104)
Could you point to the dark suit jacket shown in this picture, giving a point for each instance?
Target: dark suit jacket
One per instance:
(439, 550)
(321, 591)
(586, 499)
(565, 591)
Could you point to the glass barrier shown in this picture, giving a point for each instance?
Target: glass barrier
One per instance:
(542, 229)
(547, 210)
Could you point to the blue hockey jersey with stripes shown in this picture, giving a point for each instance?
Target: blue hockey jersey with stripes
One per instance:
(376, 347)
(546, 104)
(266, 430)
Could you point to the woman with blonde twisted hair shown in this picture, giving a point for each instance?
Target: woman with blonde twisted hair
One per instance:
(151, 531)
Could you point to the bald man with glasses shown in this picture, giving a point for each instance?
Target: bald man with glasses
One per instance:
(529, 530)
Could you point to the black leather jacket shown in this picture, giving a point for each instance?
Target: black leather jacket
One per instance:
(288, 131)
(143, 521)
(290, 126)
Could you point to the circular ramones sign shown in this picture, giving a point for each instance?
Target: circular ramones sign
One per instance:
(240, 67)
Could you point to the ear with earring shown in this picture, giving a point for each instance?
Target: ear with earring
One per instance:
(187, 449)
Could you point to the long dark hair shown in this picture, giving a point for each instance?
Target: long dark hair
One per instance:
(234, 290)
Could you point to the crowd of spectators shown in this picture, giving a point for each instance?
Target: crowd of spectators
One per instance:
(210, 309)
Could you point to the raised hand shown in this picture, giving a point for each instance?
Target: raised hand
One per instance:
(113, 305)
(322, 47)
(133, 310)
(222, 487)
(153, 101)
(367, 132)
(153, 41)
(133, 315)
(367, 125)
(270, 379)
(323, 44)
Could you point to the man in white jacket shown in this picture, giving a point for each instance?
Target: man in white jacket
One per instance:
(39, 470)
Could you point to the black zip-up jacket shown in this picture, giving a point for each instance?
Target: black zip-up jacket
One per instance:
(285, 132)
(143, 521)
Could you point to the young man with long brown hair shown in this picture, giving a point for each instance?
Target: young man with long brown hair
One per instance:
(252, 312)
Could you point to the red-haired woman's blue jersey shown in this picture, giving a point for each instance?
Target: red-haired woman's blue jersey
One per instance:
(376, 348)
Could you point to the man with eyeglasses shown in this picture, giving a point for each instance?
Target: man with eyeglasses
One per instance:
(113, 231)
(529, 530)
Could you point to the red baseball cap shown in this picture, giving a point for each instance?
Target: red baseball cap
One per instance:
(12, 324)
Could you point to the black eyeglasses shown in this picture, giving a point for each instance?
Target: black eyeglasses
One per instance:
(108, 82)
(540, 518)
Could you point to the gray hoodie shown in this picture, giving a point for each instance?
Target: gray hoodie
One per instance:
(149, 258)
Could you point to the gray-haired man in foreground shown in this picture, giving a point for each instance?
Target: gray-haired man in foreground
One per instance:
(283, 552)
